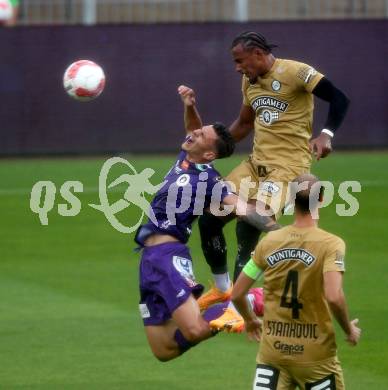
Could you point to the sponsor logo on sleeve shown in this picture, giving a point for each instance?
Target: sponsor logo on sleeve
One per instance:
(306, 73)
(340, 260)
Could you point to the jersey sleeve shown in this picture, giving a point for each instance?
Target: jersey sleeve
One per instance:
(217, 187)
(257, 256)
(306, 77)
(335, 256)
(244, 87)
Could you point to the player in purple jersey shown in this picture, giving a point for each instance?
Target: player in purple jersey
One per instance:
(168, 289)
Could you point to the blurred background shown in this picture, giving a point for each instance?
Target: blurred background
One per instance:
(147, 48)
(69, 297)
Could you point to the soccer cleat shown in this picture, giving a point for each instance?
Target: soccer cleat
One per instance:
(213, 296)
(230, 322)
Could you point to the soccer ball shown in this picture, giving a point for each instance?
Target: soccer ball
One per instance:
(5, 10)
(84, 80)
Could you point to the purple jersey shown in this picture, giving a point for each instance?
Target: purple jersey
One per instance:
(187, 191)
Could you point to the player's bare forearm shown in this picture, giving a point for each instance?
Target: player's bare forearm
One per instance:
(192, 118)
(254, 214)
(350, 328)
(340, 313)
(260, 222)
(239, 298)
(244, 124)
(335, 297)
(239, 131)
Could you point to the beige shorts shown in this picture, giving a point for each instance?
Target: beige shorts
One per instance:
(268, 184)
(323, 375)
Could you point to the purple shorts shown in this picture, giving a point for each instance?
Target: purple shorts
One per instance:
(166, 281)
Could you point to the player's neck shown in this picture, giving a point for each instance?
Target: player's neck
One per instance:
(196, 160)
(304, 220)
(270, 60)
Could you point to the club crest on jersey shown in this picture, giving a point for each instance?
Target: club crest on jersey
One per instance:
(268, 108)
(182, 180)
(287, 254)
(276, 85)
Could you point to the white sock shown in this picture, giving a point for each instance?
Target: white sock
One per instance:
(222, 281)
(250, 297)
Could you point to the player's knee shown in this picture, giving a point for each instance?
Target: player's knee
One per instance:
(163, 358)
(208, 224)
(165, 354)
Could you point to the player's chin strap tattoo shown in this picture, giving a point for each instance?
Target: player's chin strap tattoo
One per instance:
(263, 223)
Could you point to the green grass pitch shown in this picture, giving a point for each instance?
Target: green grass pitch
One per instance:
(68, 308)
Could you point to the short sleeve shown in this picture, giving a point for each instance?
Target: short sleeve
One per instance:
(335, 256)
(306, 76)
(257, 256)
(244, 88)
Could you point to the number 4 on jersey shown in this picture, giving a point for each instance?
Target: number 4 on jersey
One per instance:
(294, 304)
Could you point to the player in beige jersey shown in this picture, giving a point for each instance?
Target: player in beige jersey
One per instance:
(303, 267)
(278, 104)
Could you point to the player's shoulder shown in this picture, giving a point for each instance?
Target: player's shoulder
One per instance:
(287, 68)
(289, 64)
(274, 236)
(330, 238)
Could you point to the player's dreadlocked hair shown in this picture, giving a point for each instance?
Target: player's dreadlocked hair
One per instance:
(225, 142)
(251, 39)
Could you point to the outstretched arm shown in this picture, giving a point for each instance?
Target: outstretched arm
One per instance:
(253, 213)
(338, 106)
(239, 298)
(191, 115)
(244, 124)
(336, 299)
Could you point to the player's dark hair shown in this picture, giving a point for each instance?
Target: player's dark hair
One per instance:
(225, 142)
(251, 40)
(308, 192)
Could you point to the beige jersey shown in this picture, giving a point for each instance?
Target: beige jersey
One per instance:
(283, 103)
(297, 325)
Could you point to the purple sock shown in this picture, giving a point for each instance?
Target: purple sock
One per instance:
(211, 313)
(183, 344)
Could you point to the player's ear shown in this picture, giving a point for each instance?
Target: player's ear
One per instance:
(258, 52)
(210, 155)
